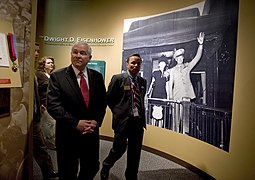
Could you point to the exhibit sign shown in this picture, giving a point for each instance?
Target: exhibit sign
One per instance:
(98, 65)
(69, 41)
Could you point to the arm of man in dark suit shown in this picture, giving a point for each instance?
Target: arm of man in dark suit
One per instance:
(100, 99)
(55, 105)
(113, 92)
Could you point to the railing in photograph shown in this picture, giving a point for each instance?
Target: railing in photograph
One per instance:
(208, 124)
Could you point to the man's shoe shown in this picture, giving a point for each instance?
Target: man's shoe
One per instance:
(53, 174)
(104, 174)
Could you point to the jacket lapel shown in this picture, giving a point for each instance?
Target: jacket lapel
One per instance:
(126, 79)
(72, 80)
(91, 85)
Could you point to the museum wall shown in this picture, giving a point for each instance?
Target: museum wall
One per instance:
(104, 19)
(16, 17)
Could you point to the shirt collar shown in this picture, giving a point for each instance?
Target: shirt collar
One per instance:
(76, 71)
(131, 77)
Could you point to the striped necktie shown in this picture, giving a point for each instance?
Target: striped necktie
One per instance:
(137, 97)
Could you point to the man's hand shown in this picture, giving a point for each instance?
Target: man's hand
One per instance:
(86, 126)
(93, 124)
(200, 38)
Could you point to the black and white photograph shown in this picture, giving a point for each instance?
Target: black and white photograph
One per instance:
(189, 58)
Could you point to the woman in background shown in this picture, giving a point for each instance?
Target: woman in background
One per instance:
(44, 67)
(158, 89)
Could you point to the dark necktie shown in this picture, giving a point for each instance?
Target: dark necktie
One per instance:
(137, 98)
(84, 89)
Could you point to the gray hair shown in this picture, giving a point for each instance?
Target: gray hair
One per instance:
(89, 49)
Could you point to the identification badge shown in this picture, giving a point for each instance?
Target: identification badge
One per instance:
(136, 114)
(126, 88)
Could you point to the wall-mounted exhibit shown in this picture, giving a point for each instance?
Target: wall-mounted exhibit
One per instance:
(9, 65)
(193, 98)
(98, 65)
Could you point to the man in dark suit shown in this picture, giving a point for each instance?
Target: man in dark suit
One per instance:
(128, 121)
(78, 115)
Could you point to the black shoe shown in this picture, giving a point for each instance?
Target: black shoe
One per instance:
(104, 174)
(53, 174)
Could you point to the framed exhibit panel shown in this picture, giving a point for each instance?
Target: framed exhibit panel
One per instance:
(98, 65)
(191, 99)
(9, 71)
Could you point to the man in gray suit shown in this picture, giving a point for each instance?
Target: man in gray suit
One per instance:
(78, 115)
(125, 97)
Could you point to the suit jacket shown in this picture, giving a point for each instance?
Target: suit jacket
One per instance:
(119, 100)
(43, 82)
(36, 109)
(66, 105)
